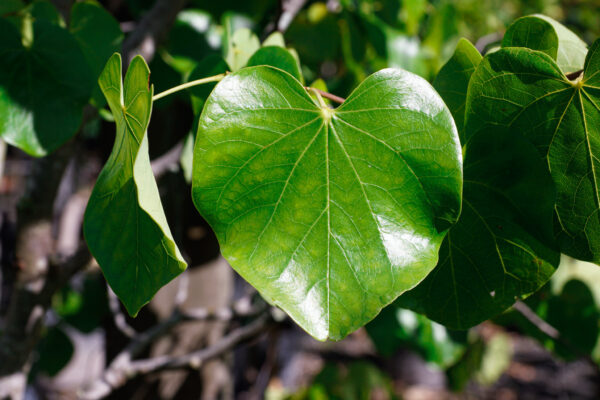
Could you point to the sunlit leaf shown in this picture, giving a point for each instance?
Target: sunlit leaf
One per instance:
(277, 57)
(331, 214)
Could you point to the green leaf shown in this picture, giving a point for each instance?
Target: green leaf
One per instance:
(240, 47)
(453, 79)
(43, 88)
(274, 39)
(125, 225)
(98, 35)
(10, 6)
(277, 57)
(493, 254)
(330, 214)
(396, 328)
(525, 91)
(539, 32)
(45, 10)
(534, 33)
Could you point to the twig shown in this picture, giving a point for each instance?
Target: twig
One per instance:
(167, 161)
(152, 29)
(118, 317)
(290, 9)
(329, 96)
(552, 332)
(482, 44)
(535, 319)
(123, 369)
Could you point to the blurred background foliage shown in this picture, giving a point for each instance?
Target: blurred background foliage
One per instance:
(336, 44)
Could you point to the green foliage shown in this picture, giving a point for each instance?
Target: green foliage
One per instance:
(303, 200)
(43, 87)
(360, 381)
(277, 57)
(561, 118)
(142, 257)
(501, 247)
(396, 328)
(453, 79)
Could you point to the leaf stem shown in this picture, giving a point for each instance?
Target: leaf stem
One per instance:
(215, 78)
(329, 96)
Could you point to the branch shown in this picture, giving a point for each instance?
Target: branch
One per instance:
(329, 96)
(123, 369)
(168, 161)
(152, 29)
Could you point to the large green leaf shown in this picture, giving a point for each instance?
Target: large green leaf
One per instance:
(539, 32)
(330, 214)
(453, 79)
(43, 88)
(525, 91)
(493, 254)
(125, 225)
(98, 35)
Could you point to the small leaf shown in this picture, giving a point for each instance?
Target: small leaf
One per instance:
(98, 35)
(274, 39)
(242, 44)
(330, 214)
(493, 254)
(125, 225)
(542, 33)
(277, 57)
(525, 91)
(42, 88)
(453, 80)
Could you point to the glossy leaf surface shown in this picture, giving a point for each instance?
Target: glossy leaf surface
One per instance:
(330, 214)
(125, 225)
(277, 57)
(493, 254)
(42, 88)
(526, 92)
(453, 79)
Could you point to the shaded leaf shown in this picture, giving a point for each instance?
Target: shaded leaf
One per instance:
(98, 35)
(453, 80)
(331, 214)
(42, 88)
(525, 91)
(125, 225)
(499, 249)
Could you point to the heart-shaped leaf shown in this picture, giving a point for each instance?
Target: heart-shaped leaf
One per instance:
(542, 33)
(330, 214)
(525, 91)
(125, 225)
(493, 254)
(43, 88)
(453, 80)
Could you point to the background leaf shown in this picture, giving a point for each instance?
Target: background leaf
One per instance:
(525, 91)
(501, 247)
(42, 89)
